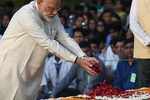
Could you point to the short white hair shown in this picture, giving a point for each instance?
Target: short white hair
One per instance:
(38, 1)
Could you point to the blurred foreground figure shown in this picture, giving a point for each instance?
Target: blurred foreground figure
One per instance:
(140, 26)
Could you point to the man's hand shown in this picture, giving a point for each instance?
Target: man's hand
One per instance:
(87, 63)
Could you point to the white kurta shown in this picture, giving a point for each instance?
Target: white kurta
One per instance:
(23, 48)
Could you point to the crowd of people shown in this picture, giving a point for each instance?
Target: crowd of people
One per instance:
(101, 28)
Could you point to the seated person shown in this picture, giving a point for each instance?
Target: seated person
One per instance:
(126, 73)
(111, 56)
(55, 70)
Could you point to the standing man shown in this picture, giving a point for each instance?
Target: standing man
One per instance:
(140, 26)
(34, 31)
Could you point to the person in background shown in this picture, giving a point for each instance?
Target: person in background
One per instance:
(94, 47)
(111, 55)
(120, 11)
(78, 22)
(102, 48)
(113, 34)
(108, 4)
(107, 19)
(119, 46)
(5, 22)
(67, 28)
(129, 34)
(126, 73)
(92, 26)
(127, 4)
(78, 35)
(99, 5)
(55, 70)
(100, 31)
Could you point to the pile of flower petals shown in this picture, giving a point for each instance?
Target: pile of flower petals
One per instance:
(104, 91)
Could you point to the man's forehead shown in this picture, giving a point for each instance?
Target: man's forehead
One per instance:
(53, 3)
(50, 1)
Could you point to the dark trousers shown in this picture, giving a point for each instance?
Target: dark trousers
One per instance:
(143, 72)
(68, 92)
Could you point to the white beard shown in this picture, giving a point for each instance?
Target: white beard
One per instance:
(48, 19)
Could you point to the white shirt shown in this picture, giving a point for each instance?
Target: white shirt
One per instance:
(110, 59)
(50, 72)
(135, 25)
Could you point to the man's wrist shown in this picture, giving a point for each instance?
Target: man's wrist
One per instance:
(76, 60)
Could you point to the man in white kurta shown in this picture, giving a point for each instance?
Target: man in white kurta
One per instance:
(23, 48)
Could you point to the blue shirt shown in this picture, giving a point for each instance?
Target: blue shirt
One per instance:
(126, 75)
